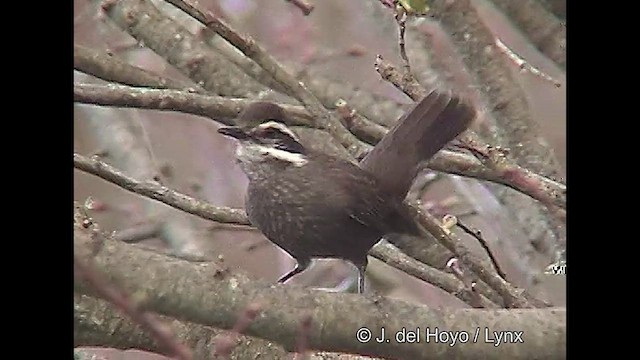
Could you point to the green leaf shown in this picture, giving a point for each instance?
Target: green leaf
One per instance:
(415, 7)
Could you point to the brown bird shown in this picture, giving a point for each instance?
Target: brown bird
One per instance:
(313, 205)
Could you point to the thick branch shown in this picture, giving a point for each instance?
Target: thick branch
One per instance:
(557, 7)
(95, 321)
(180, 48)
(514, 127)
(543, 189)
(209, 295)
(221, 109)
(107, 67)
(84, 270)
(546, 32)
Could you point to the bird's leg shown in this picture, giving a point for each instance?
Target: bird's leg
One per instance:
(347, 284)
(301, 265)
(362, 268)
(343, 287)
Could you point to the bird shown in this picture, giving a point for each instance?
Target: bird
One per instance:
(314, 205)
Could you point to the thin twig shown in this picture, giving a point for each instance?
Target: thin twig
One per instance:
(391, 4)
(225, 343)
(421, 184)
(544, 29)
(408, 85)
(454, 265)
(401, 19)
(302, 342)
(364, 129)
(524, 65)
(160, 193)
(304, 5)
(387, 253)
(513, 297)
(97, 320)
(478, 236)
(378, 108)
(138, 233)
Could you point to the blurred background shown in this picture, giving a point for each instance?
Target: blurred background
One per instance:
(338, 42)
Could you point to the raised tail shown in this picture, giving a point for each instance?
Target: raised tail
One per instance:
(417, 136)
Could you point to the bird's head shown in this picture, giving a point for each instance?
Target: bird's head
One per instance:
(269, 143)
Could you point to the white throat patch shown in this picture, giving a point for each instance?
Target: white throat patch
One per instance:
(255, 152)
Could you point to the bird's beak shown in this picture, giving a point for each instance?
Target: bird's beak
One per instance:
(234, 132)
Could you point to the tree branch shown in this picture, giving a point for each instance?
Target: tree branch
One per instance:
(395, 258)
(218, 108)
(547, 33)
(513, 297)
(180, 48)
(224, 109)
(123, 137)
(324, 118)
(510, 125)
(212, 296)
(85, 272)
(235, 216)
(95, 321)
(107, 67)
(305, 6)
(548, 192)
(154, 190)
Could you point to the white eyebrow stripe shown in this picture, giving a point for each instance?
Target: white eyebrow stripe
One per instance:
(294, 158)
(279, 126)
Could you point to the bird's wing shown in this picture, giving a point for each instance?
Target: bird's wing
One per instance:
(367, 202)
